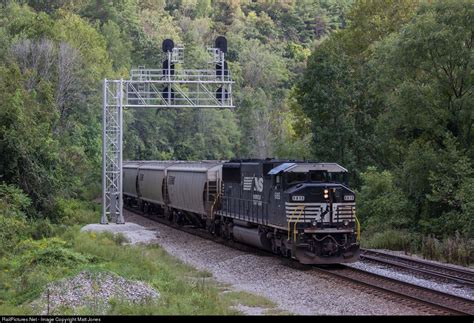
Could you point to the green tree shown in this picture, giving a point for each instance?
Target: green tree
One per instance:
(324, 94)
(424, 80)
(119, 46)
(381, 204)
(29, 152)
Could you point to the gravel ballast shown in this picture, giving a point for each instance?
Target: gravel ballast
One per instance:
(293, 290)
(454, 289)
(93, 290)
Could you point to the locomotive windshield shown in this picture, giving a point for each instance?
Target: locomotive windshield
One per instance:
(292, 178)
(318, 176)
(337, 178)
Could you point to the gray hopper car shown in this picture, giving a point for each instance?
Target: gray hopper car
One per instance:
(185, 186)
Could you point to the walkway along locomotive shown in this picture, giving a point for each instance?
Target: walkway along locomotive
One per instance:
(302, 210)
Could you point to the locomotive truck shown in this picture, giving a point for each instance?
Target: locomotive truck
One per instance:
(299, 209)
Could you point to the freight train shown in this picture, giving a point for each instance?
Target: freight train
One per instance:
(298, 209)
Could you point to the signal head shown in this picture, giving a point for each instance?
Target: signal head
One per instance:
(167, 45)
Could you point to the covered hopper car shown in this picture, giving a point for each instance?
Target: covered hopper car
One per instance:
(303, 210)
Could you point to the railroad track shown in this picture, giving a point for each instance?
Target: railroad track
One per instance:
(425, 299)
(464, 277)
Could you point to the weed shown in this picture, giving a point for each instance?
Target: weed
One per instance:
(248, 299)
(457, 249)
(389, 239)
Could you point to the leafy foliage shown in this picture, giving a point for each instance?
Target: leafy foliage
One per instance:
(13, 225)
(382, 87)
(382, 205)
(393, 90)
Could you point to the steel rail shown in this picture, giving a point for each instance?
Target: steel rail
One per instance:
(458, 275)
(441, 302)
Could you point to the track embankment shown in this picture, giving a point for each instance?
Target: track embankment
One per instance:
(298, 291)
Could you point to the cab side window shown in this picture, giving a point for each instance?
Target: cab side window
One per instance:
(277, 181)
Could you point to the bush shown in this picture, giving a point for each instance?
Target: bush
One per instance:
(49, 252)
(380, 204)
(72, 211)
(33, 264)
(456, 249)
(13, 201)
(12, 230)
(390, 239)
(42, 228)
(13, 223)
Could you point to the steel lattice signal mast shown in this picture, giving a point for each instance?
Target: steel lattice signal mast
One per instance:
(168, 87)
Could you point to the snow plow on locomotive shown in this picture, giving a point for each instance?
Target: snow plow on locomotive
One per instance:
(302, 210)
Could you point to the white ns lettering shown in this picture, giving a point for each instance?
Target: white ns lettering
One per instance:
(258, 184)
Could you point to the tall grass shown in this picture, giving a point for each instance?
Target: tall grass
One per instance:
(388, 239)
(457, 249)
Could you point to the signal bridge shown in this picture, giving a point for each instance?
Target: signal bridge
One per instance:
(167, 87)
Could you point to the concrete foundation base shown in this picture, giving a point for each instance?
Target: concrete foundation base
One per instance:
(133, 232)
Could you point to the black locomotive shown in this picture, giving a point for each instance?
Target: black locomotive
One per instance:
(298, 209)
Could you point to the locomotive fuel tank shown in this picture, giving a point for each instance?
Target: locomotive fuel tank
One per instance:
(251, 236)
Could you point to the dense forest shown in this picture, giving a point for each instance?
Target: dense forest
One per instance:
(385, 88)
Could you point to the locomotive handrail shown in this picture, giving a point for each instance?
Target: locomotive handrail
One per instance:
(357, 227)
(291, 217)
(296, 222)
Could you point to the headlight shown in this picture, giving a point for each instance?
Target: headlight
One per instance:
(314, 223)
(346, 223)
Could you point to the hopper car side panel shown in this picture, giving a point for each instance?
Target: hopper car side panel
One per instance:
(130, 181)
(186, 189)
(151, 184)
(194, 187)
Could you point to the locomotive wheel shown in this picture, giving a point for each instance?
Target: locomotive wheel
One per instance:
(178, 218)
(275, 248)
(212, 228)
(285, 251)
(217, 228)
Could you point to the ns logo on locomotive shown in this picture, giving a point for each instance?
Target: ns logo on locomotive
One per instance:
(298, 209)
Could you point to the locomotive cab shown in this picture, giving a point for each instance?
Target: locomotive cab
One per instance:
(319, 211)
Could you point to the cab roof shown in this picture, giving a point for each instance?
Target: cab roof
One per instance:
(306, 167)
